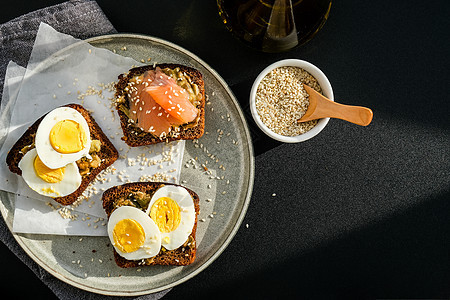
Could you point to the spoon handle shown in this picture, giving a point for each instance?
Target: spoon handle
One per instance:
(355, 114)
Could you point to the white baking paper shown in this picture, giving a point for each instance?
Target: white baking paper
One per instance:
(84, 75)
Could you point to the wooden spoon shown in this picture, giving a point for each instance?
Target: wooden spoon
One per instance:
(322, 107)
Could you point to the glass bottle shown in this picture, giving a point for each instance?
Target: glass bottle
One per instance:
(274, 25)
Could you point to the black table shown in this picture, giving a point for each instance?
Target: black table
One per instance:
(359, 212)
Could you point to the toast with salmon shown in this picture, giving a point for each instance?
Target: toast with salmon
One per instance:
(160, 103)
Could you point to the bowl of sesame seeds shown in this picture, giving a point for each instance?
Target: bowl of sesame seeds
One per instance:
(278, 99)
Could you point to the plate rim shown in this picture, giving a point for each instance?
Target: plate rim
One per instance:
(20, 238)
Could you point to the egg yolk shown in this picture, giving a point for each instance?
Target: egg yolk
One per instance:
(166, 214)
(68, 136)
(128, 235)
(47, 174)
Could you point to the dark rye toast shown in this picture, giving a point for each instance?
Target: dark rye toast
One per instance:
(134, 136)
(181, 256)
(107, 154)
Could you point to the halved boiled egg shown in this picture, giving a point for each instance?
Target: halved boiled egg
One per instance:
(172, 209)
(133, 233)
(54, 183)
(62, 137)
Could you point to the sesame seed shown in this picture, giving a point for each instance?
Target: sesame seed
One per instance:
(281, 100)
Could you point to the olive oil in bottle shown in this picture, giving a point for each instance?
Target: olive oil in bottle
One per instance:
(274, 25)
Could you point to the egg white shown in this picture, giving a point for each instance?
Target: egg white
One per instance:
(152, 242)
(68, 185)
(49, 156)
(180, 235)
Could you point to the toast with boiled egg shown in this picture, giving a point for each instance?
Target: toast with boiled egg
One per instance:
(160, 103)
(61, 153)
(152, 223)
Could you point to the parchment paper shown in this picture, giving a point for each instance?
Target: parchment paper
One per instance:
(84, 75)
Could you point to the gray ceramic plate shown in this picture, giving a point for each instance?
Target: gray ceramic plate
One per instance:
(225, 189)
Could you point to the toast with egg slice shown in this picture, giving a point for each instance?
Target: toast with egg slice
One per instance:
(106, 153)
(129, 105)
(125, 195)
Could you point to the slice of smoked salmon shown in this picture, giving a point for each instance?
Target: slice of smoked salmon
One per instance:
(173, 98)
(151, 117)
(145, 112)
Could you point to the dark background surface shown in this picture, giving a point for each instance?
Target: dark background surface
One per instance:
(359, 212)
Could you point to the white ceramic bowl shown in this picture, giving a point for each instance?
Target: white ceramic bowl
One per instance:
(324, 84)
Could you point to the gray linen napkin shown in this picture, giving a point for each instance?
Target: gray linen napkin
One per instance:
(81, 19)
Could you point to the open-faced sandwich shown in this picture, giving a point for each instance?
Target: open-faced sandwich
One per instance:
(160, 103)
(61, 153)
(152, 223)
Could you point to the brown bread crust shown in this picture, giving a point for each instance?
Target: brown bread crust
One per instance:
(108, 153)
(146, 138)
(181, 256)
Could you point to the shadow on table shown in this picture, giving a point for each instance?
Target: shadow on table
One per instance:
(400, 257)
(261, 142)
